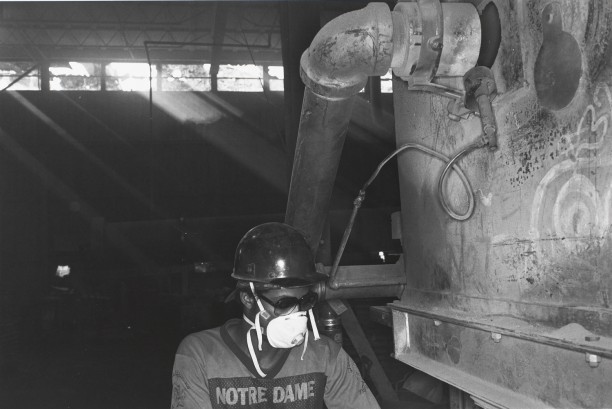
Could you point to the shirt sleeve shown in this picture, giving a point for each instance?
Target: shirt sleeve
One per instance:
(345, 387)
(189, 386)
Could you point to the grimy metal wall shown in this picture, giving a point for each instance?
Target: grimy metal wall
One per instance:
(513, 305)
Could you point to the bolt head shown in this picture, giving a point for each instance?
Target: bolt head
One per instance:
(435, 43)
(592, 359)
(496, 337)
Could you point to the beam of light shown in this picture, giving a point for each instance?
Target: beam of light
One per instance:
(124, 142)
(267, 162)
(93, 159)
(186, 107)
(64, 192)
(266, 135)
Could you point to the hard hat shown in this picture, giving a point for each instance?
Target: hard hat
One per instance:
(276, 254)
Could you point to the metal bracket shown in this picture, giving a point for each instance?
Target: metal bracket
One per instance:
(431, 42)
(480, 90)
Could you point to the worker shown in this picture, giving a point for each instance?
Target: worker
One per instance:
(269, 358)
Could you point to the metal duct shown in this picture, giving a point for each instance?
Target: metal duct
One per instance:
(334, 69)
(421, 41)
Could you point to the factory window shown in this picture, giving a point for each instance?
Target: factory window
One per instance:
(276, 76)
(18, 76)
(130, 76)
(386, 83)
(73, 76)
(183, 77)
(244, 78)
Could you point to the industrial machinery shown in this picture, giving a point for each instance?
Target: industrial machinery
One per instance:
(505, 281)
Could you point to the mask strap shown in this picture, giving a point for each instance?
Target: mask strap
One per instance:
(259, 304)
(248, 320)
(315, 330)
(256, 326)
(262, 312)
(252, 350)
(305, 345)
(258, 330)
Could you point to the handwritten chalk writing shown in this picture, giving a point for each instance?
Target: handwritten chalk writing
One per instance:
(571, 188)
(578, 144)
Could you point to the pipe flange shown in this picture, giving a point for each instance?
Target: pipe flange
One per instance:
(347, 50)
(331, 92)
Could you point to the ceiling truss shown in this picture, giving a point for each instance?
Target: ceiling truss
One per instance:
(118, 31)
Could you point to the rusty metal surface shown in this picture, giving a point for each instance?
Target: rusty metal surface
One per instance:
(541, 229)
(505, 372)
(539, 246)
(571, 337)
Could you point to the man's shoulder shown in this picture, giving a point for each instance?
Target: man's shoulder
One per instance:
(320, 356)
(324, 345)
(200, 341)
(204, 334)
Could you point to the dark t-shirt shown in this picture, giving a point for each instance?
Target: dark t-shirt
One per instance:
(210, 371)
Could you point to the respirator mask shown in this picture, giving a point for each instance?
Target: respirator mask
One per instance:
(284, 331)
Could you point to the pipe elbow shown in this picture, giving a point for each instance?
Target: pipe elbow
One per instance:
(347, 50)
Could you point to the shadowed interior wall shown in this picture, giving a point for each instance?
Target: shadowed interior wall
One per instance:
(90, 176)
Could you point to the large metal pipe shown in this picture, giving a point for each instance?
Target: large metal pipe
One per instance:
(334, 69)
(321, 135)
(325, 292)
